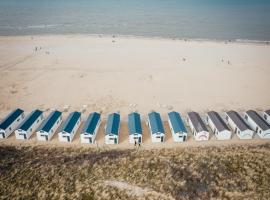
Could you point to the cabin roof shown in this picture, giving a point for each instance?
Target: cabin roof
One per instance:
(10, 118)
(197, 122)
(238, 120)
(91, 123)
(267, 112)
(113, 123)
(155, 122)
(50, 121)
(71, 121)
(134, 123)
(30, 119)
(258, 120)
(177, 122)
(217, 121)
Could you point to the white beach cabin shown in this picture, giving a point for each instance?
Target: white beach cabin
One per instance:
(10, 123)
(29, 125)
(90, 128)
(135, 128)
(156, 127)
(257, 123)
(238, 125)
(70, 127)
(198, 128)
(266, 116)
(49, 126)
(218, 126)
(178, 129)
(112, 128)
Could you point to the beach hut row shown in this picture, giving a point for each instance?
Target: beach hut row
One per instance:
(222, 128)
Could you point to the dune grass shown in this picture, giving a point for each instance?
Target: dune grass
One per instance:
(236, 172)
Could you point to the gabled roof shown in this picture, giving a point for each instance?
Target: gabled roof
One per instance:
(113, 123)
(31, 118)
(238, 120)
(134, 123)
(50, 121)
(217, 121)
(71, 122)
(10, 118)
(177, 122)
(197, 122)
(258, 120)
(267, 112)
(91, 123)
(155, 122)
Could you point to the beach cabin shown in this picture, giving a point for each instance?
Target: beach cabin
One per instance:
(198, 128)
(112, 128)
(135, 128)
(156, 127)
(90, 128)
(238, 125)
(266, 116)
(70, 127)
(218, 126)
(29, 125)
(178, 129)
(11, 122)
(49, 126)
(257, 123)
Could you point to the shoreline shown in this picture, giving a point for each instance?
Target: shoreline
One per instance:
(224, 41)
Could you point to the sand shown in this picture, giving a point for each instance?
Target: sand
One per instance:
(106, 74)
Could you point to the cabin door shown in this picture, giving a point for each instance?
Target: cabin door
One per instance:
(140, 140)
(46, 137)
(24, 136)
(90, 140)
(68, 138)
(184, 138)
(115, 140)
(161, 138)
(3, 135)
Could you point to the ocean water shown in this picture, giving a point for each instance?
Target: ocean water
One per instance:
(191, 19)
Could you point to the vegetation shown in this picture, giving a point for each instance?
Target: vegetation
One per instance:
(236, 172)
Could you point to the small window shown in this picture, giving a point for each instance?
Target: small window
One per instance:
(246, 117)
(18, 120)
(37, 121)
(10, 128)
(260, 131)
(207, 118)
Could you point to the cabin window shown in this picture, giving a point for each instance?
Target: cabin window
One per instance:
(18, 120)
(260, 131)
(37, 121)
(10, 128)
(265, 117)
(207, 118)
(30, 129)
(227, 118)
(246, 117)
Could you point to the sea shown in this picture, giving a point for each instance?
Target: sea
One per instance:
(241, 20)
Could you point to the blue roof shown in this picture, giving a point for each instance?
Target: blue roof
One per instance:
(134, 123)
(10, 118)
(91, 123)
(31, 118)
(177, 122)
(50, 121)
(155, 122)
(113, 123)
(71, 122)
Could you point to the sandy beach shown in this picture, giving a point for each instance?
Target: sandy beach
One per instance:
(123, 74)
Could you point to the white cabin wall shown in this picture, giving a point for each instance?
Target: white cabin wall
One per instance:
(12, 127)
